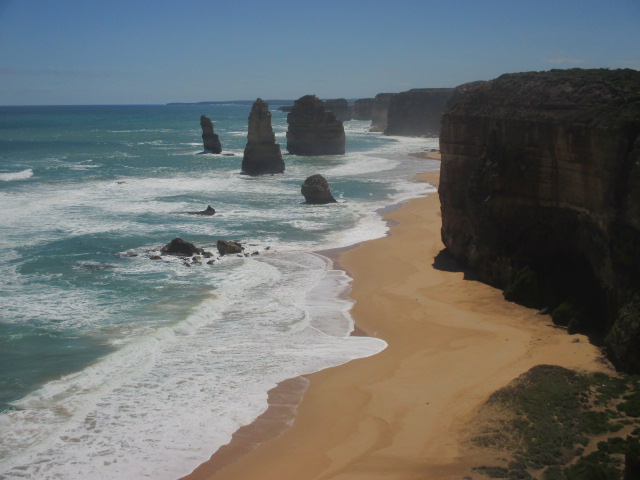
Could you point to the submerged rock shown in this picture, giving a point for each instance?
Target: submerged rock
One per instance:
(210, 140)
(262, 154)
(316, 190)
(314, 130)
(181, 248)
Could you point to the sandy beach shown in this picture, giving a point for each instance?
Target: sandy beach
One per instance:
(406, 412)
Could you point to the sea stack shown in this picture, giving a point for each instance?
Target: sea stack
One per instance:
(314, 130)
(316, 190)
(209, 138)
(262, 154)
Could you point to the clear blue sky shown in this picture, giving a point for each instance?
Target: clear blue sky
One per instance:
(56, 52)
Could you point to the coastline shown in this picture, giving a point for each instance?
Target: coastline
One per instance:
(402, 413)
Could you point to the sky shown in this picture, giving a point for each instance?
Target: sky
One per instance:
(89, 52)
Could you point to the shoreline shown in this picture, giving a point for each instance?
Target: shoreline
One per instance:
(401, 413)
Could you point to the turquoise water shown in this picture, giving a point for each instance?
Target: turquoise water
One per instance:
(111, 362)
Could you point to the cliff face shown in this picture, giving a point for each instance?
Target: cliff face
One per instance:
(313, 130)
(340, 107)
(362, 109)
(540, 194)
(379, 112)
(417, 112)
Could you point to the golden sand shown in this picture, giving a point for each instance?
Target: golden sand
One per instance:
(404, 413)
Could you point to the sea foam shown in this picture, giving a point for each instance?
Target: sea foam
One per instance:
(21, 175)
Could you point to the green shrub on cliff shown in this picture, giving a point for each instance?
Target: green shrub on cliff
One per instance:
(526, 289)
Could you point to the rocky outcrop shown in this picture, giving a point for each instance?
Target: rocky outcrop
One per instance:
(418, 112)
(262, 154)
(379, 112)
(340, 107)
(540, 195)
(227, 247)
(316, 190)
(207, 212)
(313, 130)
(362, 109)
(209, 138)
(181, 248)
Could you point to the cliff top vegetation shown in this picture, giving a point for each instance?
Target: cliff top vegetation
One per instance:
(601, 98)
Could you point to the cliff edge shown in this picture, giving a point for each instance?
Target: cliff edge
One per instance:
(540, 195)
(417, 112)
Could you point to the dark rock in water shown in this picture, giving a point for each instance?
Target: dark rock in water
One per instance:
(540, 195)
(227, 247)
(262, 154)
(209, 138)
(362, 109)
(340, 107)
(155, 257)
(206, 212)
(417, 112)
(379, 112)
(316, 190)
(313, 130)
(181, 248)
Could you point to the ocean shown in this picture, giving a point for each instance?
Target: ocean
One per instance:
(114, 365)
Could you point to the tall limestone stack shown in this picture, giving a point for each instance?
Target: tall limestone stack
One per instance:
(540, 195)
(418, 112)
(314, 130)
(379, 112)
(209, 138)
(262, 154)
(362, 109)
(340, 107)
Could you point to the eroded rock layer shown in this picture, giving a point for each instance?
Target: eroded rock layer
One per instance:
(314, 130)
(417, 112)
(540, 194)
(262, 154)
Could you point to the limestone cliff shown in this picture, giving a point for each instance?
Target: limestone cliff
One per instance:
(540, 194)
(210, 140)
(314, 130)
(362, 109)
(340, 107)
(261, 154)
(417, 112)
(379, 112)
